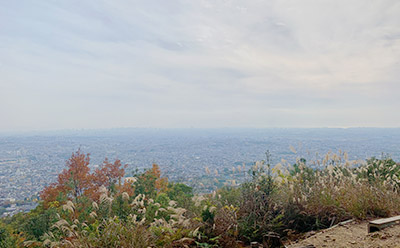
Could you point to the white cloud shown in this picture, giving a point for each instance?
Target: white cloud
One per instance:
(199, 63)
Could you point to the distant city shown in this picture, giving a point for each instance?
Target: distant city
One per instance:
(31, 161)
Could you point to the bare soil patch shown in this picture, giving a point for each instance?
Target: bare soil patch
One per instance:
(354, 234)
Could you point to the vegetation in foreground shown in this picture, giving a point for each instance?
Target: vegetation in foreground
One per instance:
(100, 209)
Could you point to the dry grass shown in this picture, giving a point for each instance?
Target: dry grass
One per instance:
(285, 200)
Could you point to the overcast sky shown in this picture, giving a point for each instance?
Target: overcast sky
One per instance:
(199, 63)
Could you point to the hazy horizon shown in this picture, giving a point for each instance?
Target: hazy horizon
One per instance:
(107, 129)
(122, 130)
(199, 64)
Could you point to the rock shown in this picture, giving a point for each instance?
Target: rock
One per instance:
(254, 244)
(272, 239)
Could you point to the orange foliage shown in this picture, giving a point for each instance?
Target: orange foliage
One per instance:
(161, 183)
(155, 170)
(77, 177)
(126, 187)
(72, 181)
(107, 175)
(50, 194)
(110, 173)
(76, 180)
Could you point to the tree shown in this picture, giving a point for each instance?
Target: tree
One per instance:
(77, 177)
(72, 182)
(109, 175)
(161, 183)
(150, 182)
(76, 180)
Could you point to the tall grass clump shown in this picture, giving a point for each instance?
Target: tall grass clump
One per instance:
(148, 224)
(338, 190)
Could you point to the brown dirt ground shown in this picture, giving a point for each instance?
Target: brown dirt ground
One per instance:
(353, 234)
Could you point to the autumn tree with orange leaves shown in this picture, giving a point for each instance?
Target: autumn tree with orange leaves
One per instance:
(76, 180)
(161, 183)
(110, 174)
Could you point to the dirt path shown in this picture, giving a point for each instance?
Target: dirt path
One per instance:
(352, 235)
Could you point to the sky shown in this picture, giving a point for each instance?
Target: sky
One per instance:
(205, 63)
